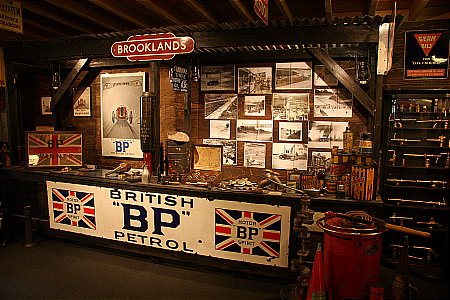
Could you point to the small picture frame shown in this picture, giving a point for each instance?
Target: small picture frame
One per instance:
(82, 102)
(45, 105)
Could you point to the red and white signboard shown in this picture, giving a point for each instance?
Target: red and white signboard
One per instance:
(261, 8)
(161, 46)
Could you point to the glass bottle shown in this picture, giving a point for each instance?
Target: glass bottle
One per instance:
(145, 174)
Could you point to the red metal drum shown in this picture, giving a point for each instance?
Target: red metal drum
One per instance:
(351, 258)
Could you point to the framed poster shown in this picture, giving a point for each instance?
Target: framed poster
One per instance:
(426, 54)
(120, 106)
(82, 102)
(45, 105)
(54, 149)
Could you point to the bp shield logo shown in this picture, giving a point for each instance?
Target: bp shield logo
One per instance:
(74, 208)
(246, 232)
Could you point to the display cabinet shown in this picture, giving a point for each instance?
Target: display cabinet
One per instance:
(416, 184)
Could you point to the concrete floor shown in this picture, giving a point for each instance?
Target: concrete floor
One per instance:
(56, 269)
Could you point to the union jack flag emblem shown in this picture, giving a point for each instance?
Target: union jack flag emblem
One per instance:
(74, 208)
(248, 232)
(56, 149)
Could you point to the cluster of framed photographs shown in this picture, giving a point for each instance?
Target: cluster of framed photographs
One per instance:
(268, 109)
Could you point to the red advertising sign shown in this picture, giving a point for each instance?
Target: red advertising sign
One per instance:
(261, 8)
(427, 41)
(161, 46)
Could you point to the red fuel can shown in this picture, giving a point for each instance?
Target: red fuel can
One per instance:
(351, 257)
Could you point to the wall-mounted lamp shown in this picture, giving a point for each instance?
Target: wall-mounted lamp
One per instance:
(195, 71)
(56, 78)
(362, 72)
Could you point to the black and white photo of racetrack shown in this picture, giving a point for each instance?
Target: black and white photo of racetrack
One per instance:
(255, 80)
(220, 106)
(217, 78)
(290, 106)
(289, 156)
(219, 129)
(333, 103)
(254, 130)
(293, 75)
(255, 155)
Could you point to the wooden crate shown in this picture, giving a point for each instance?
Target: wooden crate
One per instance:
(207, 166)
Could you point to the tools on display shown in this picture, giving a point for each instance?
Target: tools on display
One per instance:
(432, 183)
(410, 201)
(122, 168)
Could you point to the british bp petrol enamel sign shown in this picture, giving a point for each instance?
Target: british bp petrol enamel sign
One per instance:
(240, 231)
(161, 46)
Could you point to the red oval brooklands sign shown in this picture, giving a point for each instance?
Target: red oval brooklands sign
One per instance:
(161, 46)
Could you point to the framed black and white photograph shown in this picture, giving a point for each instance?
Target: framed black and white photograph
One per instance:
(323, 77)
(255, 80)
(255, 155)
(324, 134)
(45, 105)
(289, 156)
(337, 134)
(82, 103)
(290, 131)
(290, 106)
(229, 150)
(120, 113)
(319, 135)
(334, 103)
(217, 78)
(255, 105)
(325, 103)
(321, 159)
(254, 130)
(220, 106)
(219, 129)
(345, 103)
(293, 75)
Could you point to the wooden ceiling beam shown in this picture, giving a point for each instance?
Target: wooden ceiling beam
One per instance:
(285, 10)
(78, 8)
(43, 26)
(37, 8)
(416, 9)
(242, 10)
(344, 78)
(117, 8)
(159, 11)
(373, 7)
(198, 8)
(328, 9)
